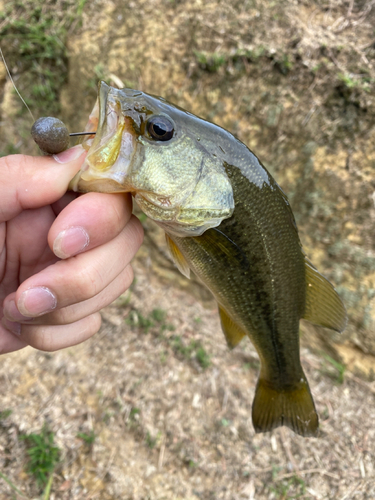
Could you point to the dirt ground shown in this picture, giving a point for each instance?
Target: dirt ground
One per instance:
(165, 428)
(167, 404)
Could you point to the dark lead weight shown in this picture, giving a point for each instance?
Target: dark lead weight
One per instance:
(50, 134)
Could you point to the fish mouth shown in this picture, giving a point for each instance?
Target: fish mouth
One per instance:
(110, 151)
(121, 158)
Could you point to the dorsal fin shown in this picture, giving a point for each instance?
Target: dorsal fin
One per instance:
(323, 305)
(233, 333)
(177, 257)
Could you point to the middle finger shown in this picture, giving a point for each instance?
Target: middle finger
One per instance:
(79, 278)
(89, 221)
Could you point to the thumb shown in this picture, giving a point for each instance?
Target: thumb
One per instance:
(34, 181)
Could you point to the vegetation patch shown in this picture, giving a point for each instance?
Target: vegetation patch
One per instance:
(5, 414)
(288, 488)
(87, 438)
(43, 455)
(33, 35)
(193, 350)
(155, 319)
(334, 369)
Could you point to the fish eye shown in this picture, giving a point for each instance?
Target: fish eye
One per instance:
(160, 128)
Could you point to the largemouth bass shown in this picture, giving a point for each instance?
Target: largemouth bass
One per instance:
(227, 220)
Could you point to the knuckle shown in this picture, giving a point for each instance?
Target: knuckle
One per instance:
(10, 164)
(137, 232)
(117, 215)
(41, 338)
(128, 277)
(120, 211)
(62, 316)
(88, 283)
(94, 323)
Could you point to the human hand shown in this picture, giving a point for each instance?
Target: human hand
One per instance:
(63, 257)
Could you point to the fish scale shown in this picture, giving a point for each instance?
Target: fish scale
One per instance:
(265, 281)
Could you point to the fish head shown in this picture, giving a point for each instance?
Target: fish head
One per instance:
(167, 158)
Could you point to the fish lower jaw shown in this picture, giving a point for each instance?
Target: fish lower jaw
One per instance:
(156, 213)
(99, 185)
(180, 222)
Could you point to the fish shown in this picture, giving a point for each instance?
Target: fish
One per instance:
(228, 221)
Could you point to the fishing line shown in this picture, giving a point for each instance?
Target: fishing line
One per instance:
(44, 130)
(14, 85)
(82, 133)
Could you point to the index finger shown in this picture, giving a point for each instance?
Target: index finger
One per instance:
(34, 181)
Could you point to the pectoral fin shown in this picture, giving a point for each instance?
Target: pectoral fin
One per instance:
(323, 305)
(233, 334)
(177, 257)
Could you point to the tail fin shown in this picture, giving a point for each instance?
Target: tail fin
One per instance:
(291, 407)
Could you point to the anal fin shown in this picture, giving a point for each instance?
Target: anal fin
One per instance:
(177, 257)
(233, 334)
(293, 407)
(323, 304)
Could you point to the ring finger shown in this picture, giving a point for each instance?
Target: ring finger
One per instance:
(51, 338)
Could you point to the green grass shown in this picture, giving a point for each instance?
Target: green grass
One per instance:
(284, 63)
(151, 441)
(124, 300)
(11, 485)
(156, 319)
(43, 455)
(156, 322)
(89, 439)
(9, 149)
(289, 488)
(210, 62)
(240, 58)
(251, 365)
(134, 414)
(100, 73)
(348, 80)
(356, 82)
(179, 347)
(192, 350)
(136, 319)
(142, 217)
(158, 315)
(33, 35)
(202, 357)
(5, 414)
(339, 369)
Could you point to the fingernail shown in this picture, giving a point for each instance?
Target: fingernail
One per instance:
(36, 302)
(70, 242)
(69, 154)
(12, 313)
(11, 326)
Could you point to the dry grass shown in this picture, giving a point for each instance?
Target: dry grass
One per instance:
(167, 429)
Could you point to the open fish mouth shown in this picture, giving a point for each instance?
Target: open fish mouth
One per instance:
(111, 150)
(143, 145)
